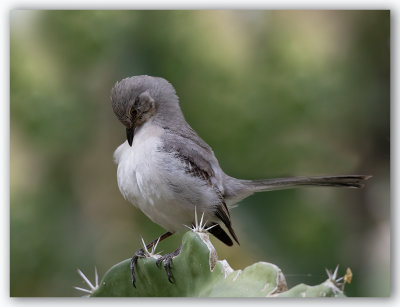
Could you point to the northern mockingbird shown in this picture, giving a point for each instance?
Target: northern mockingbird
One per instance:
(166, 170)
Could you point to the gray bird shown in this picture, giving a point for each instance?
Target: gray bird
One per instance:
(166, 170)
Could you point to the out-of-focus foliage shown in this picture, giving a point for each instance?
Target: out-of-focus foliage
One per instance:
(274, 93)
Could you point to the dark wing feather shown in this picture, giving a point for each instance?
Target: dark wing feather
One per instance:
(222, 211)
(220, 234)
(223, 214)
(192, 155)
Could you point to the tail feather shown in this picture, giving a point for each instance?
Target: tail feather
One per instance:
(237, 189)
(349, 181)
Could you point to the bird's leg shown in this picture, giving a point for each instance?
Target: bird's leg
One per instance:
(167, 260)
(141, 254)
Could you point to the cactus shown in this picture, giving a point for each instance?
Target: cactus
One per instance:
(199, 273)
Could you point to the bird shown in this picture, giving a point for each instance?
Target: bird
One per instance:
(169, 172)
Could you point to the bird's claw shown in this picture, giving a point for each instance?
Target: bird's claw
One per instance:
(166, 260)
(139, 254)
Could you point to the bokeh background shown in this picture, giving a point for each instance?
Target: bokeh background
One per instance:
(274, 93)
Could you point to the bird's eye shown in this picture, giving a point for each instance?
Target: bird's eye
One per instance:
(133, 112)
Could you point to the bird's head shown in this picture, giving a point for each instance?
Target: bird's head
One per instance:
(137, 99)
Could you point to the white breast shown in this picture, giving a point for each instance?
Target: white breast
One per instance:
(145, 175)
(137, 173)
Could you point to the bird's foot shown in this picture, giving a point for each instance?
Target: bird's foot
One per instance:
(139, 254)
(143, 253)
(166, 260)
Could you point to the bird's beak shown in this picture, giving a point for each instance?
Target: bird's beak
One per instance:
(129, 135)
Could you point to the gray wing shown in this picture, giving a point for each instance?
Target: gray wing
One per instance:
(199, 161)
(188, 145)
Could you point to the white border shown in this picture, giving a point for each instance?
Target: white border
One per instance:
(6, 6)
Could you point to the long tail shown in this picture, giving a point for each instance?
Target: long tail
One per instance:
(238, 189)
(349, 181)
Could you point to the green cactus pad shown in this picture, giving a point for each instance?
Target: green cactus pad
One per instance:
(198, 273)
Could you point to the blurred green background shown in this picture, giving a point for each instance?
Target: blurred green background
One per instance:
(274, 93)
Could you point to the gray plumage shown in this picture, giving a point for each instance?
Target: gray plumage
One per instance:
(167, 170)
